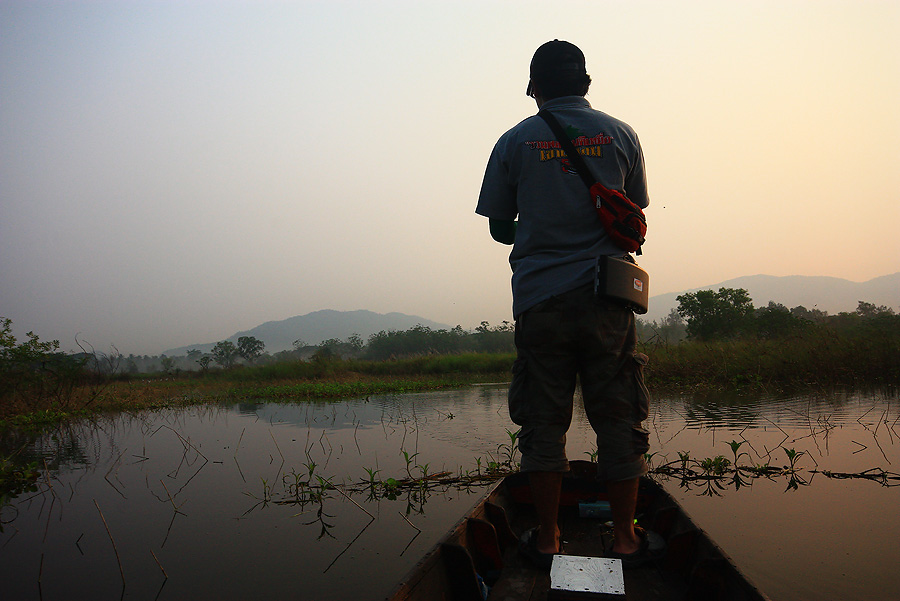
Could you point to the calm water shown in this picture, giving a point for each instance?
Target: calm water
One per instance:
(194, 503)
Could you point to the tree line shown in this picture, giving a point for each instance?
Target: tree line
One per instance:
(381, 346)
(700, 316)
(728, 313)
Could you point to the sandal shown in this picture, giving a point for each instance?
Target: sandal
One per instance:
(528, 548)
(652, 547)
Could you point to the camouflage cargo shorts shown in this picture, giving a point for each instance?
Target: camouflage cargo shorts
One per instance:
(571, 337)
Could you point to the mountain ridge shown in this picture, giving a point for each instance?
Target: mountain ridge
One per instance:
(825, 293)
(312, 328)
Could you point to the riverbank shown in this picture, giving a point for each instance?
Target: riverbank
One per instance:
(823, 360)
(151, 393)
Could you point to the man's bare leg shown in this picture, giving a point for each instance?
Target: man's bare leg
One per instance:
(623, 503)
(545, 491)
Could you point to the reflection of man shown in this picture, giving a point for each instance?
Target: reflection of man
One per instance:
(562, 330)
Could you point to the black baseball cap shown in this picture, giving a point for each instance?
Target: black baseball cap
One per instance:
(556, 60)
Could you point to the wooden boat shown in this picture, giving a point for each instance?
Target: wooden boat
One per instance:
(483, 547)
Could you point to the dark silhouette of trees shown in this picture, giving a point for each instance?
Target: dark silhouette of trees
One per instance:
(225, 353)
(775, 320)
(250, 348)
(716, 314)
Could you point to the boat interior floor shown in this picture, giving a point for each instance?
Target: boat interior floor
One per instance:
(582, 537)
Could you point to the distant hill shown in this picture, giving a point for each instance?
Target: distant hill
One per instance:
(833, 295)
(317, 326)
(813, 292)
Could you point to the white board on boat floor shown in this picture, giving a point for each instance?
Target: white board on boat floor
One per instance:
(597, 575)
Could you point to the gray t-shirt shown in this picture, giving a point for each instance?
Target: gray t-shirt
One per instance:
(559, 236)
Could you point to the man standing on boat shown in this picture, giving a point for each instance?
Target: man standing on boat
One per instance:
(564, 331)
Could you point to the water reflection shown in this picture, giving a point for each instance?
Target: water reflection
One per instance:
(805, 535)
(227, 501)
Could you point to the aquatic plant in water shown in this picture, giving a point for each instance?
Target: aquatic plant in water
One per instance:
(16, 480)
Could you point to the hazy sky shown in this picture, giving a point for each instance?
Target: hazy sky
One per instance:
(173, 172)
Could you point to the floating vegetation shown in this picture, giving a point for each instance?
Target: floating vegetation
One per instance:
(874, 474)
(16, 480)
(714, 473)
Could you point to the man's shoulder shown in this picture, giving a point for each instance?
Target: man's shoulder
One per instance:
(610, 125)
(607, 119)
(524, 130)
(526, 125)
(580, 110)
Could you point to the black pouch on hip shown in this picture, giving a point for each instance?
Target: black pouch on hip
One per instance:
(623, 282)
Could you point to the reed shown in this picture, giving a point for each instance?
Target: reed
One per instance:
(817, 358)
